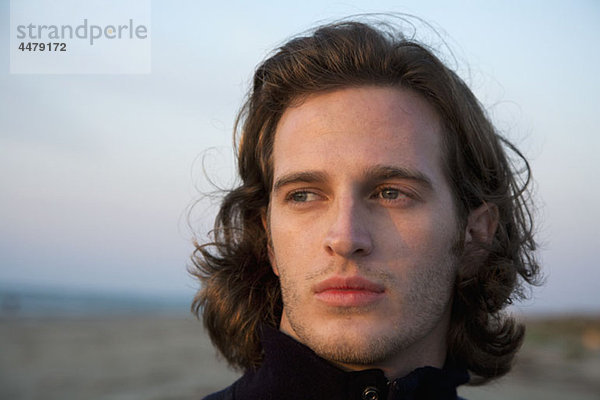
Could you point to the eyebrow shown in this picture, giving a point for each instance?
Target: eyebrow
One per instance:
(297, 177)
(379, 172)
(374, 173)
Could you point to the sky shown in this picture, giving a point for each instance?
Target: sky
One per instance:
(98, 171)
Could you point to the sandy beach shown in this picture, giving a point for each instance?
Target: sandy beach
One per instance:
(170, 357)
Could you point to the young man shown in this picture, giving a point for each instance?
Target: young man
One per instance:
(378, 232)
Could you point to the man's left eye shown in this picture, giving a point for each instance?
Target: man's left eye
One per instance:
(389, 194)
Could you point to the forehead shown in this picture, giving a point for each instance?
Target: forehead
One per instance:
(341, 130)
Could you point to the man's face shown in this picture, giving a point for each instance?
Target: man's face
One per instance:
(362, 226)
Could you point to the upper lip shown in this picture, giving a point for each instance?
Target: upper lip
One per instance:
(348, 283)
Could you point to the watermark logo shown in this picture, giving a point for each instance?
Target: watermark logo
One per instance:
(43, 33)
(71, 37)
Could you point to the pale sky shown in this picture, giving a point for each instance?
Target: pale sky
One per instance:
(97, 171)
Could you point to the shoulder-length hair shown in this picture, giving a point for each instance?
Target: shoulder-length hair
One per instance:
(239, 291)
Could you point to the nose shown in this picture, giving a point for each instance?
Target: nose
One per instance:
(349, 235)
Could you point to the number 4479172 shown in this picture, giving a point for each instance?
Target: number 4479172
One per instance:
(43, 46)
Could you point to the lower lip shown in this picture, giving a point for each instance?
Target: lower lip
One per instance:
(348, 298)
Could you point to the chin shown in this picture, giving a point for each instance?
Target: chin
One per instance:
(354, 342)
(358, 348)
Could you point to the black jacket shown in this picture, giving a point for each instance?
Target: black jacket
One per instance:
(292, 371)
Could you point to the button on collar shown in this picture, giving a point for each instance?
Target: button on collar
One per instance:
(370, 393)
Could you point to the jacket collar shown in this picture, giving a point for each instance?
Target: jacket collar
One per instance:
(292, 370)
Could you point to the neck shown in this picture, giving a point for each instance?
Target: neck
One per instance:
(430, 350)
(404, 363)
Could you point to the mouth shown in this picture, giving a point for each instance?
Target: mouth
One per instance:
(352, 291)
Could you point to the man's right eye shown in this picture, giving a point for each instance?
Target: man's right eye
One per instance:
(302, 196)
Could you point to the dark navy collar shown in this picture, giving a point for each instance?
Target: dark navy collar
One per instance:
(291, 370)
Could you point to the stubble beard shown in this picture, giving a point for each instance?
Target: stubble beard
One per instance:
(425, 303)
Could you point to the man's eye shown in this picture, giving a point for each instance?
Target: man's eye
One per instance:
(389, 194)
(302, 196)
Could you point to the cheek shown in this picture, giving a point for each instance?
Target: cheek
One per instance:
(293, 244)
(430, 258)
(425, 234)
(293, 236)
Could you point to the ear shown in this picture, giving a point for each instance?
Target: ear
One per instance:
(482, 224)
(265, 221)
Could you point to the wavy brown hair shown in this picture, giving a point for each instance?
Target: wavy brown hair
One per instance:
(239, 291)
